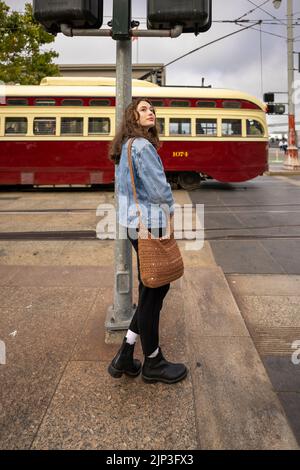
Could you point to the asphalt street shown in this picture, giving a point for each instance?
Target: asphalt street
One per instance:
(253, 227)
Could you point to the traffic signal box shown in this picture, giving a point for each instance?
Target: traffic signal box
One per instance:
(276, 108)
(86, 14)
(194, 15)
(269, 97)
(273, 108)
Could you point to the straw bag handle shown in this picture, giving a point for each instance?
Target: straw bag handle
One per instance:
(129, 156)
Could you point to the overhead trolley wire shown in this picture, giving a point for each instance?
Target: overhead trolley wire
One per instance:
(205, 45)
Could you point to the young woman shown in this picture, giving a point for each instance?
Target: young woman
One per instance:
(153, 192)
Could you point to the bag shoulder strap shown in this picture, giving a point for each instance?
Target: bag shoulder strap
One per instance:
(129, 156)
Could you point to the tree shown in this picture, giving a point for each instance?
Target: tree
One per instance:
(21, 39)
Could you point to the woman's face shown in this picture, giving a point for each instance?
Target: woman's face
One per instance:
(146, 115)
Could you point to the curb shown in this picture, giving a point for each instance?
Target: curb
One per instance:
(282, 173)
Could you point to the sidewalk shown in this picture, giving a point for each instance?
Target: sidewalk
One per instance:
(57, 394)
(277, 169)
(276, 165)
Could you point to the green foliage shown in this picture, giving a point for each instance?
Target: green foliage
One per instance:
(21, 39)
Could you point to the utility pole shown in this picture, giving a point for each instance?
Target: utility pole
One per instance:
(291, 161)
(122, 310)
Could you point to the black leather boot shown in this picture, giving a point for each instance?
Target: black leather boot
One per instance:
(158, 369)
(123, 362)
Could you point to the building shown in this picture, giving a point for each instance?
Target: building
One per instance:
(139, 71)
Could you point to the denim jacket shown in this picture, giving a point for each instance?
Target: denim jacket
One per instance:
(153, 191)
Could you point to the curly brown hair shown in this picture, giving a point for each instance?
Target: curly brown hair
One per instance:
(131, 128)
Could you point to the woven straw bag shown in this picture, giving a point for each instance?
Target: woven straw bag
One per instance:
(160, 258)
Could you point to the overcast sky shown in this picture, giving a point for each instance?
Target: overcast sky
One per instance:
(234, 62)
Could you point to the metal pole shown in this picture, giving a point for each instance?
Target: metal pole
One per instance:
(120, 314)
(291, 161)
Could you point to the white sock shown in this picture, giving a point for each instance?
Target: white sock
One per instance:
(154, 354)
(131, 337)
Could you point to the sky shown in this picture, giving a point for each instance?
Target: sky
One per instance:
(250, 61)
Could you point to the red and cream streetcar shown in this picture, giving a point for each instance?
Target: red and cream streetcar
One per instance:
(57, 133)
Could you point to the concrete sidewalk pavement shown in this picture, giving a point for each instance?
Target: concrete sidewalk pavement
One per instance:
(279, 170)
(57, 394)
(276, 165)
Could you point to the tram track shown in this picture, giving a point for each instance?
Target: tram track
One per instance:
(91, 235)
(211, 234)
(210, 206)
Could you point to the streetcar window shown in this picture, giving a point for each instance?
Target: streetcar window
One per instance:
(254, 128)
(99, 103)
(157, 103)
(44, 126)
(206, 126)
(206, 104)
(72, 126)
(16, 125)
(17, 102)
(99, 125)
(232, 104)
(72, 103)
(45, 102)
(160, 123)
(180, 126)
(231, 127)
(180, 103)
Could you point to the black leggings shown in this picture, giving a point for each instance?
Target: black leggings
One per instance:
(145, 321)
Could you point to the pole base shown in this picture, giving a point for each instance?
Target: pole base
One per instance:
(291, 161)
(112, 324)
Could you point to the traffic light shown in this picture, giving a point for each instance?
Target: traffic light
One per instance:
(273, 108)
(276, 108)
(194, 15)
(87, 14)
(269, 97)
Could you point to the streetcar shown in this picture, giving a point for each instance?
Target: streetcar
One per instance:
(58, 132)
